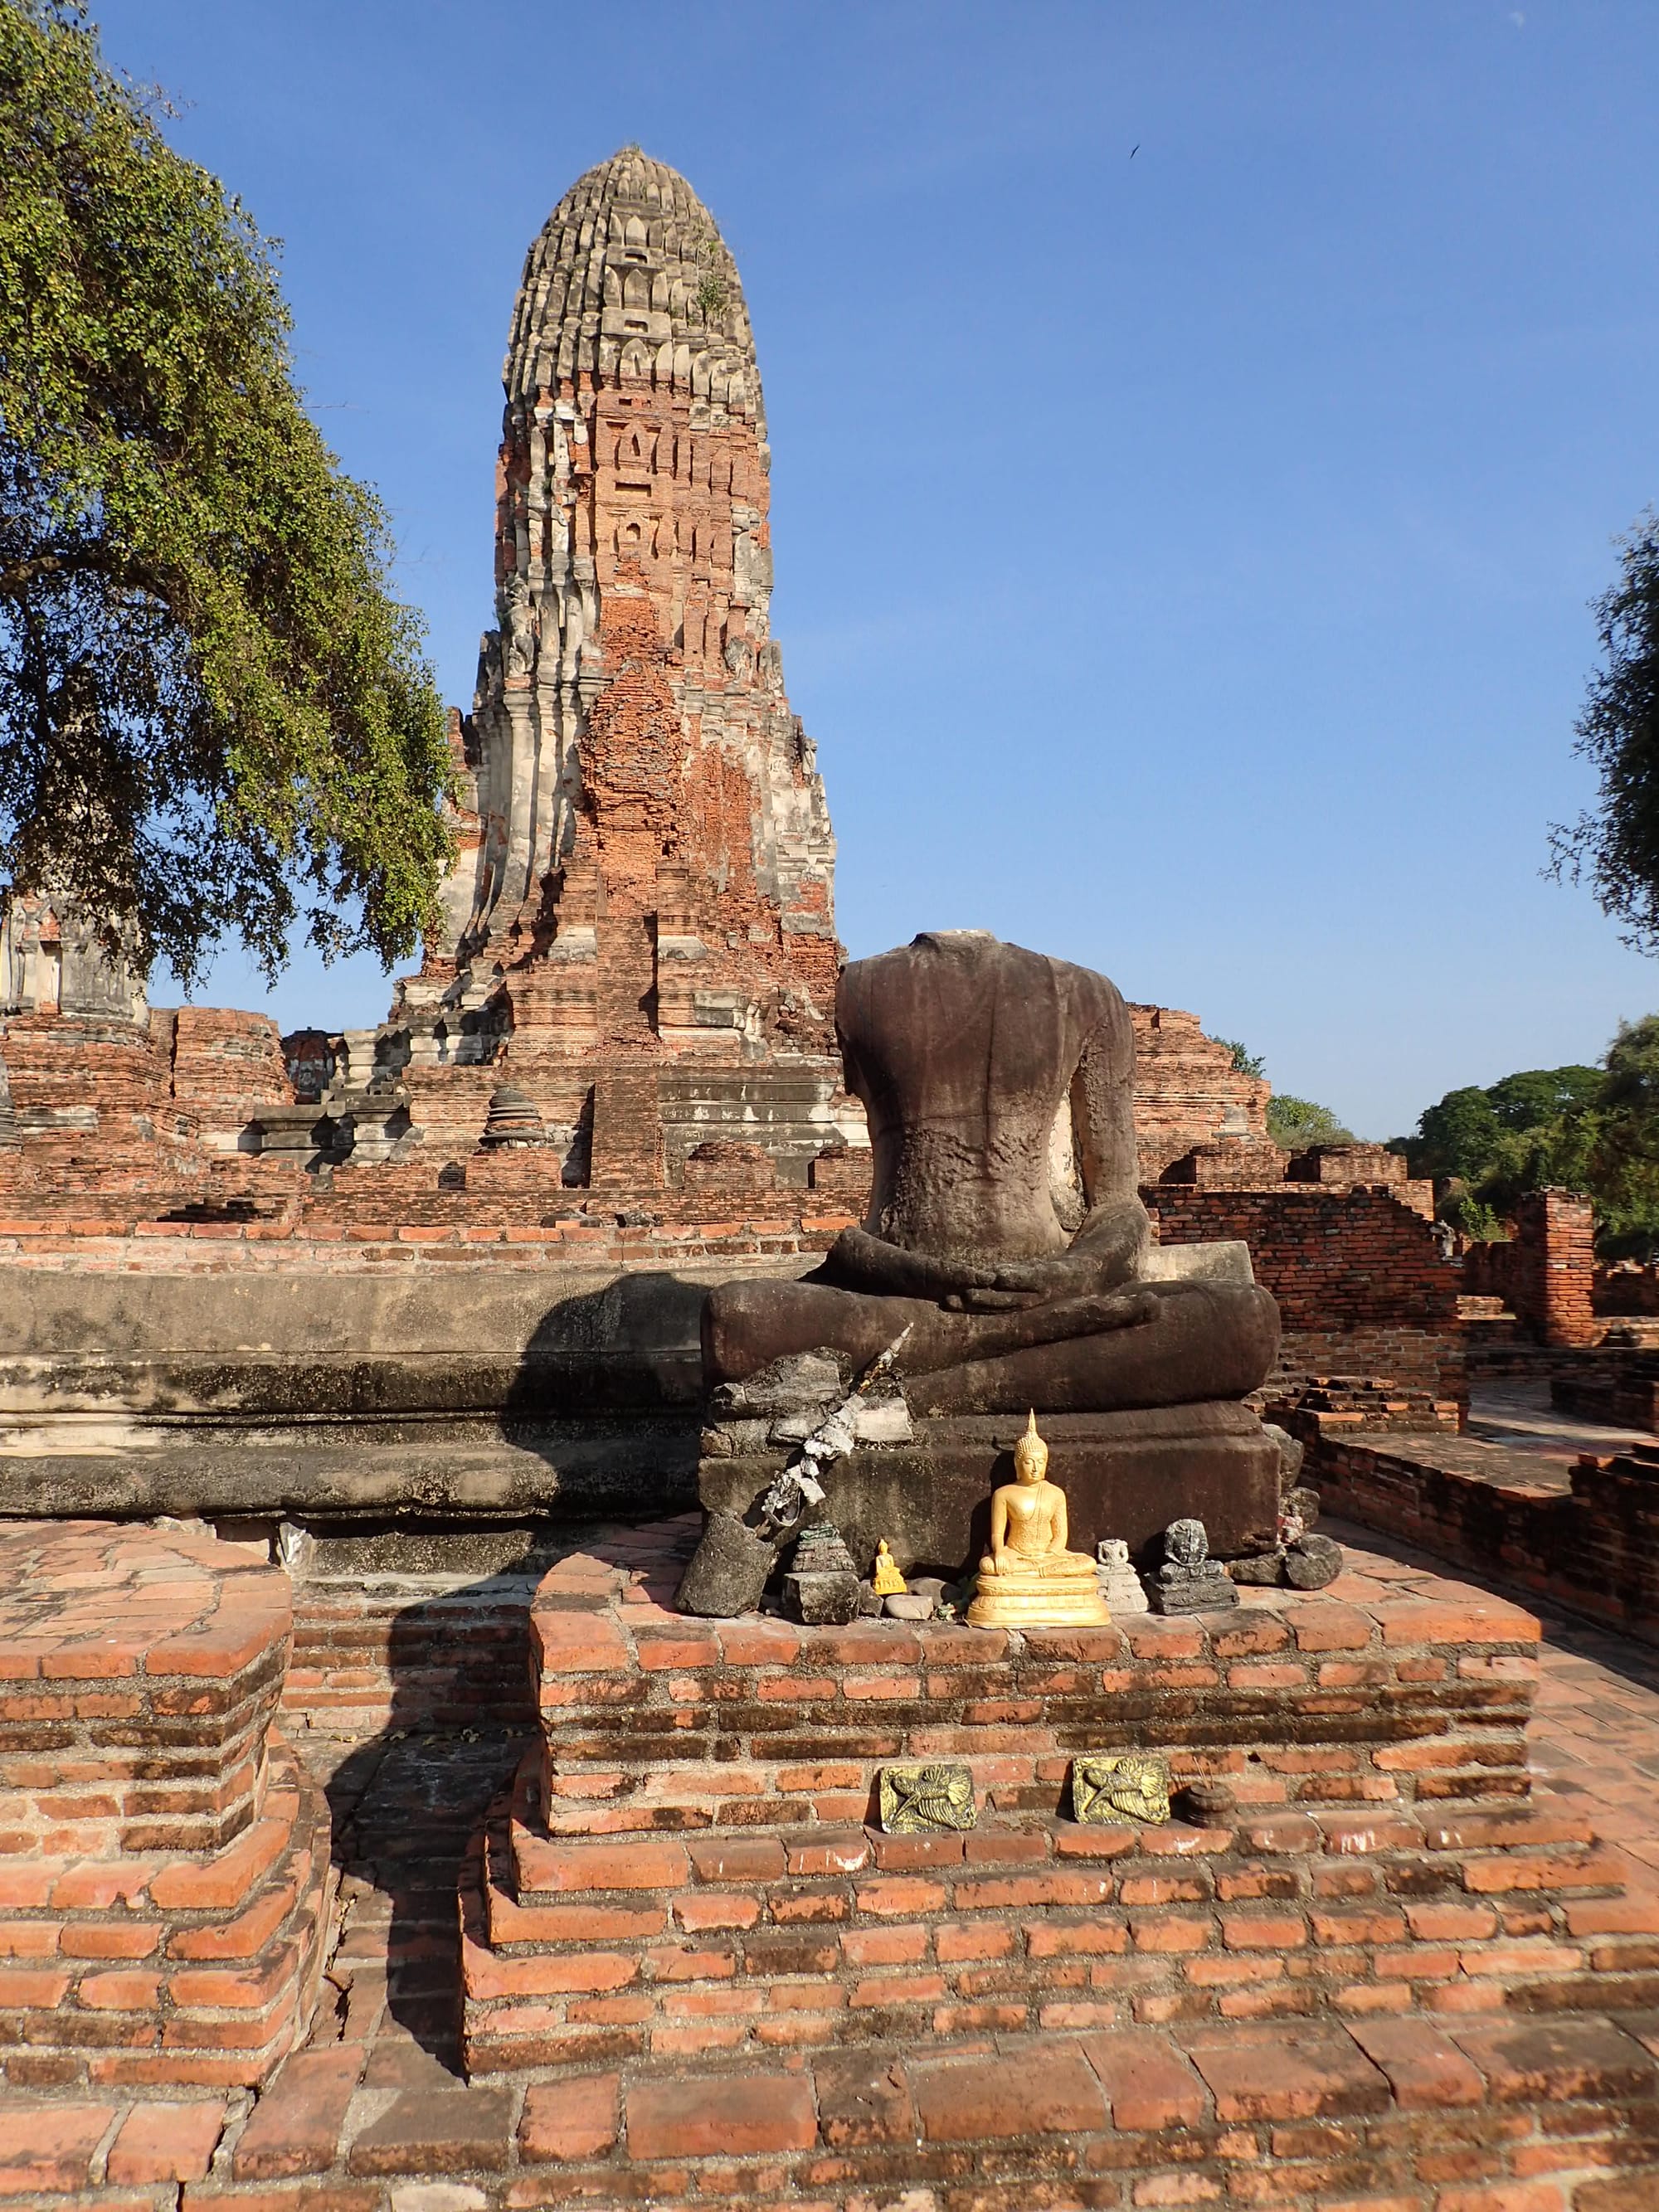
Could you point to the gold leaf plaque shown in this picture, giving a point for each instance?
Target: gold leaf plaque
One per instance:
(920, 1799)
(1121, 1785)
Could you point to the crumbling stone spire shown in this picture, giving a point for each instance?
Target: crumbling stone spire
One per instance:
(649, 859)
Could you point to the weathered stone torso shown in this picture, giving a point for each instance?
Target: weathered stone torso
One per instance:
(963, 1063)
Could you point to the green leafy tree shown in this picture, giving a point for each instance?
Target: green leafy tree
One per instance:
(1480, 1223)
(1593, 1129)
(1617, 846)
(1552, 1154)
(1488, 1148)
(1539, 1095)
(1456, 1137)
(1297, 1123)
(211, 709)
(1623, 1157)
(1245, 1061)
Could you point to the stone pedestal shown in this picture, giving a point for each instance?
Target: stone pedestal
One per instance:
(1124, 1475)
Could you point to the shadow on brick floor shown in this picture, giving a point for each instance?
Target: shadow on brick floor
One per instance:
(406, 1803)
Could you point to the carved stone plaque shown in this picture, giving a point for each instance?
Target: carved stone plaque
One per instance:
(923, 1799)
(1121, 1785)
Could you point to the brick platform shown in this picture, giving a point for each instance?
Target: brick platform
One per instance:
(163, 1863)
(1411, 2110)
(1369, 1694)
(683, 1863)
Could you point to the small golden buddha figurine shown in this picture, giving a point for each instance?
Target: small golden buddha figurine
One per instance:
(1028, 1579)
(885, 1579)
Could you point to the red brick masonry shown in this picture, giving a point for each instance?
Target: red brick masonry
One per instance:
(1420, 2106)
(1592, 1544)
(1546, 1272)
(163, 1863)
(683, 1865)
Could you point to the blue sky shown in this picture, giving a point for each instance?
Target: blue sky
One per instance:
(1182, 559)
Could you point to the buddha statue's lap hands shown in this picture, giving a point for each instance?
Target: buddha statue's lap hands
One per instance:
(857, 1261)
(1104, 1257)
(1085, 1313)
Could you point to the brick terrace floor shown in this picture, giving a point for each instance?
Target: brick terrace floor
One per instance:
(1516, 1435)
(373, 2116)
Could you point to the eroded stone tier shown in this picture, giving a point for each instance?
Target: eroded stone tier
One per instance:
(648, 862)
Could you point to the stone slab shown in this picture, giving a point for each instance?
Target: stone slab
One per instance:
(576, 1391)
(1124, 1475)
(351, 1470)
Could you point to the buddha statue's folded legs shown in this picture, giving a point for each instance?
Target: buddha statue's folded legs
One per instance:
(1147, 1343)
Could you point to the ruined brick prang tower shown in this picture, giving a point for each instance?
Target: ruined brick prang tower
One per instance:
(641, 928)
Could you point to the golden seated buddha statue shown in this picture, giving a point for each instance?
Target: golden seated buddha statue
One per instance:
(1028, 1579)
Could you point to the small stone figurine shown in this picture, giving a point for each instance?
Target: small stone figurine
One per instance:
(1028, 1579)
(1118, 1583)
(822, 1584)
(1190, 1581)
(885, 1578)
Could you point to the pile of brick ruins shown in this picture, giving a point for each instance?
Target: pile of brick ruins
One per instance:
(374, 1829)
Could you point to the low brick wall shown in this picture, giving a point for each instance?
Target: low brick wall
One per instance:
(164, 1866)
(1335, 1259)
(576, 1951)
(1615, 1386)
(1593, 1546)
(1427, 1362)
(386, 1653)
(1361, 1287)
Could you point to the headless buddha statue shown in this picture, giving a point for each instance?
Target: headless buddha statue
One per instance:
(1005, 1231)
(1028, 1579)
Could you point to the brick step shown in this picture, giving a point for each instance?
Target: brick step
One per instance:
(145, 1968)
(1383, 2116)
(139, 1670)
(654, 1721)
(1362, 2116)
(580, 1948)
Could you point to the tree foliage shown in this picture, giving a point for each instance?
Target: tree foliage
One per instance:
(1593, 1129)
(1297, 1123)
(1538, 1095)
(1245, 1062)
(211, 709)
(1624, 1151)
(1456, 1137)
(1617, 846)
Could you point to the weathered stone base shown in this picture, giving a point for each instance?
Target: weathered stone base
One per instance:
(1124, 1475)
